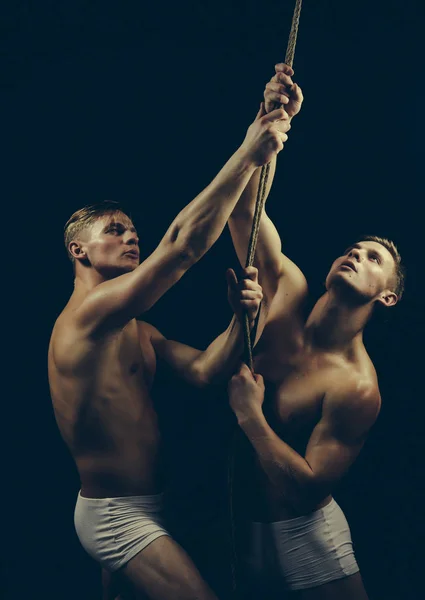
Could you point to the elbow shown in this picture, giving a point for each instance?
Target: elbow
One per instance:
(190, 245)
(242, 213)
(200, 377)
(203, 376)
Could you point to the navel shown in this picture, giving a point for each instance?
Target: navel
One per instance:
(134, 368)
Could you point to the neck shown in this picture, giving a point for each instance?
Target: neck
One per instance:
(337, 325)
(86, 279)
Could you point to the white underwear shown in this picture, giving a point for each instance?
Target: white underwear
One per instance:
(114, 530)
(304, 552)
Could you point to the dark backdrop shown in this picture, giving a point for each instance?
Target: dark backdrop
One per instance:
(143, 103)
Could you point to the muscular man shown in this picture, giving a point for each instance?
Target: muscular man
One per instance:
(102, 363)
(301, 433)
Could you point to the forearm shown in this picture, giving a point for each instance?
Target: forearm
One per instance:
(202, 221)
(286, 470)
(218, 362)
(268, 255)
(246, 203)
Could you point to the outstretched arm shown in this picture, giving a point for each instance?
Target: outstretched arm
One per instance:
(113, 303)
(269, 258)
(217, 363)
(348, 413)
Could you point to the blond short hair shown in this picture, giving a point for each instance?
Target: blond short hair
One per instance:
(399, 273)
(84, 218)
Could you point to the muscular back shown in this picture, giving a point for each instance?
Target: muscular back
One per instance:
(100, 391)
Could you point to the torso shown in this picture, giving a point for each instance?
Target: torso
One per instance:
(101, 397)
(296, 380)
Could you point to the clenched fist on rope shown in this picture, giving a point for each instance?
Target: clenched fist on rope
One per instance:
(245, 295)
(246, 394)
(281, 90)
(266, 135)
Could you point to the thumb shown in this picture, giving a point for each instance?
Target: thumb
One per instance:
(232, 280)
(261, 112)
(259, 379)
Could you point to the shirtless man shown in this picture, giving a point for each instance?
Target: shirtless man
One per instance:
(102, 362)
(301, 432)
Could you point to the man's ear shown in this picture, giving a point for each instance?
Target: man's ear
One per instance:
(387, 298)
(77, 251)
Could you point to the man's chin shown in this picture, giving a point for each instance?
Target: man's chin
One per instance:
(118, 270)
(130, 268)
(346, 290)
(341, 280)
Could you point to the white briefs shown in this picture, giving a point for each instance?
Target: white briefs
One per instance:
(304, 552)
(114, 530)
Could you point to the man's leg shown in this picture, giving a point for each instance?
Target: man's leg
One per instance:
(163, 571)
(348, 588)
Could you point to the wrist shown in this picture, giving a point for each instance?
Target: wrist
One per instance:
(250, 419)
(245, 160)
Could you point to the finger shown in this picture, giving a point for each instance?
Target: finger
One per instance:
(283, 68)
(283, 137)
(250, 301)
(232, 280)
(279, 145)
(258, 379)
(282, 126)
(276, 93)
(250, 273)
(276, 115)
(249, 284)
(244, 370)
(246, 285)
(248, 298)
(283, 79)
(261, 112)
(296, 93)
(275, 86)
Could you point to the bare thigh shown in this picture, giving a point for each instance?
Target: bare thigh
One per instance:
(348, 588)
(164, 571)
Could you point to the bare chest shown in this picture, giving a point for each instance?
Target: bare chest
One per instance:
(295, 404)
(129, 357)
(295, 387)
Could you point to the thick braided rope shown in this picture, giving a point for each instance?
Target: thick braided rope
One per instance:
(259, 205)
(290, 49)
(262, 186)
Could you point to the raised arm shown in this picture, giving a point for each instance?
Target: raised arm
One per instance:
(217, 363)
(195, 229)
(281, 90)
(348, 413)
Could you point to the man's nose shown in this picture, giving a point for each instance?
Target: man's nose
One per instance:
(355, 253)
(132, 239)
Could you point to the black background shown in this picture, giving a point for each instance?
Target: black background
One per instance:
(143, 103)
